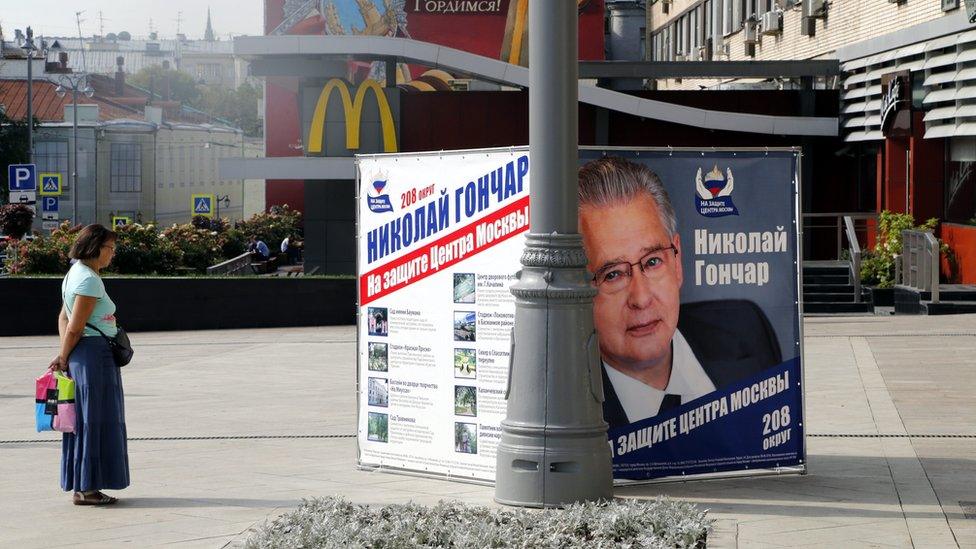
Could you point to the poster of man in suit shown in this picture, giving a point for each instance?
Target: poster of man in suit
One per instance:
(695, 308)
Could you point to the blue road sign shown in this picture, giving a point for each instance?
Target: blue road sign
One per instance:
(202, 204)
(50, 184)
(22, 177)
(49, 204)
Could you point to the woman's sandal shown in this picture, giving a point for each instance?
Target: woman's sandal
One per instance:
(94, 498)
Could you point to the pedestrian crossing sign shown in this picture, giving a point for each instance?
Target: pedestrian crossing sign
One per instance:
(120, 221)
(202, 204)
(50, 184)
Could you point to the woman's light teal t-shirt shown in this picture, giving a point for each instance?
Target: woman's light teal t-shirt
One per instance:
(81, 280)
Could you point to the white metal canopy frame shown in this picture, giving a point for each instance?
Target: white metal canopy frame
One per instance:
(303, 55)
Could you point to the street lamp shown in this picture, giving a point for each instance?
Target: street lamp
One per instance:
(225, 200)
(29, 49)
(76, 82)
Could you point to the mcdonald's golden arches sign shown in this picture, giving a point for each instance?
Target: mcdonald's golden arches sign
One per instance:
(352, 108)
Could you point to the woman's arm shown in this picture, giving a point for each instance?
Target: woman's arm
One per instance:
(58, 363)
(72, 329)
(62, 322)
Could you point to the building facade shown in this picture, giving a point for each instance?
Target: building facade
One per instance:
(907, 92)
(137, 157)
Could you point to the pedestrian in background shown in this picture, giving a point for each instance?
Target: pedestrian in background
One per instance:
(95, 456)
(259, 247)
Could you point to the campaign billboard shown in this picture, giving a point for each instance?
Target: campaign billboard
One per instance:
(694, 255)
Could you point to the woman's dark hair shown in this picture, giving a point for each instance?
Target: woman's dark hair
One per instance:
(90, 240)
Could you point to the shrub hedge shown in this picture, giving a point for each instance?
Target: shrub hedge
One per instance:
(142, 249)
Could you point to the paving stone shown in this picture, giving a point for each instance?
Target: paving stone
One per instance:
(864, 376)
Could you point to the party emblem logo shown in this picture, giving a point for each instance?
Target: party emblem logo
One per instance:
(379, 202)
(713, 197)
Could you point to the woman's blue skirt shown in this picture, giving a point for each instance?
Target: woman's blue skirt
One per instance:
(95, 456)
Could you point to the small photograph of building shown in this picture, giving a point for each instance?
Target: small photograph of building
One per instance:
(378, 392)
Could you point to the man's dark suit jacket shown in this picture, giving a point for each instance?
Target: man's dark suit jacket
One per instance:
(732, 340)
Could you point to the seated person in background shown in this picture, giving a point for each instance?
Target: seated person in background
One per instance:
(291, 246)
(259, 247)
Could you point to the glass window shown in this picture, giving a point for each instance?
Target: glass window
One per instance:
(727, 16)
(643, 44)
(708, 19)
(677, 37)
(960, 206)
(125, 168)
(52, 157)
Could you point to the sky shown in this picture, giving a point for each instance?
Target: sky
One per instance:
(57, 17)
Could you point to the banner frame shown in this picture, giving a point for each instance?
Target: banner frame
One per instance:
(797, 151)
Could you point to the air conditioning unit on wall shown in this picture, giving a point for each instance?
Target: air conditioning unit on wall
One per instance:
(815, 9)
(772, 22)
(750, 34)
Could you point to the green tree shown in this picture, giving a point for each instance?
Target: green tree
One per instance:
(878, 265)
(239, 106)
(182, 86)
(13, 147)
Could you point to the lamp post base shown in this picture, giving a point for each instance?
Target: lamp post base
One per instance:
(553, 450)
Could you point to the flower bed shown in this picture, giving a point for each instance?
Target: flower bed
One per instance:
(334, 523)
(142, 249)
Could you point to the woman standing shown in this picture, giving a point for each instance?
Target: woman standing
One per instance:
(95, 456)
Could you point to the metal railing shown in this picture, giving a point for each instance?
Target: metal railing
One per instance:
(817, 224)
(855, 252)
(235, 266)
(919, 262)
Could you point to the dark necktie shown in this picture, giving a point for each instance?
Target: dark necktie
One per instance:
(669, 402)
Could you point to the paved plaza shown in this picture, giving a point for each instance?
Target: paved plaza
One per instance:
(231, 428)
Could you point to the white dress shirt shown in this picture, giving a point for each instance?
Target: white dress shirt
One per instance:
(688, 379)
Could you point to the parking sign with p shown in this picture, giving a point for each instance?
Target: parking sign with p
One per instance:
(22, 177)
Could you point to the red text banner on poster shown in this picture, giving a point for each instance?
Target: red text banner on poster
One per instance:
(462, 244)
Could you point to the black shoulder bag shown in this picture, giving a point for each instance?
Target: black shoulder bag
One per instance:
(121, 348)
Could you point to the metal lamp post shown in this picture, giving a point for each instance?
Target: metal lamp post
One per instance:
(75, 83)
(30, 48)
(553, 449)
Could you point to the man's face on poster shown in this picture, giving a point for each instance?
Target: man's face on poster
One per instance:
(636, 315)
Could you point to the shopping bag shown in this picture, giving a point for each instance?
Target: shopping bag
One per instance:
(54, 404)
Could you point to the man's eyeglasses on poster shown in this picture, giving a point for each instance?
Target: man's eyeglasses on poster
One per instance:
(616, 276)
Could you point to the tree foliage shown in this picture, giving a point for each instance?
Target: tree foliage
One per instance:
(16, 220)
(13, 147)
(182, 86)
(878, 265)
(142, 249)
(272, 227)
(239, 106)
